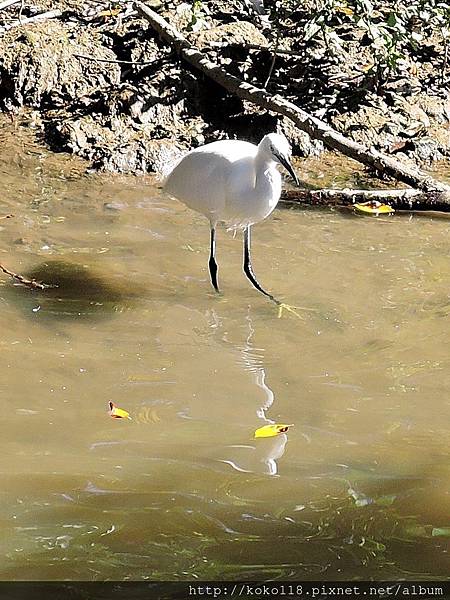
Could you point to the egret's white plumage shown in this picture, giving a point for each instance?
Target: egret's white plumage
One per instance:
(233, 182)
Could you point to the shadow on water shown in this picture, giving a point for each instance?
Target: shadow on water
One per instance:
(75, 290)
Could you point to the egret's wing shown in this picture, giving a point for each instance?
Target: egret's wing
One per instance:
(204, 178)
(199, 180)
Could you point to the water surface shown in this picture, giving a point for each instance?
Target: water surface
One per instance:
(359, 488)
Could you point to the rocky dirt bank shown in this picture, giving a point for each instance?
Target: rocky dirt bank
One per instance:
(102, 85)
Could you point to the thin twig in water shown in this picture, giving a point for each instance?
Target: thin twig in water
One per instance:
(29, 282)
(107, 60)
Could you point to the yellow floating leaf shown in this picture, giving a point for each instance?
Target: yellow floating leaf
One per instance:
(117, 413)
(272, 430)
(373, 207)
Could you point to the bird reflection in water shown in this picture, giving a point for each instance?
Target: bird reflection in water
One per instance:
(262, 455)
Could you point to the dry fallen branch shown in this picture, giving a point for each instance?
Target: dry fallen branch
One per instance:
(8, 3)
(51, 14)
(406, 199)
(313, 126)
(28, 282)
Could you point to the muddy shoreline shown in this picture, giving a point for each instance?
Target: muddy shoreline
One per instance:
(96, 81)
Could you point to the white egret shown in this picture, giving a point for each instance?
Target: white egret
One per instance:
(236, 183)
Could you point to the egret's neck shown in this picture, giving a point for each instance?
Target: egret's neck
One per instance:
(264, 165)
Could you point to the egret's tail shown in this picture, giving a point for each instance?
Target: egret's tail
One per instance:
(167, 161)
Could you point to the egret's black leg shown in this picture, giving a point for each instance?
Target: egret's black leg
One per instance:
(212, 260)
(248, 269)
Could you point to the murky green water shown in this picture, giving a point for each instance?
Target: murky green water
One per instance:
(360, 486)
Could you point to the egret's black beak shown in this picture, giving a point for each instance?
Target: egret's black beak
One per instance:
(289, 168)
